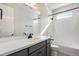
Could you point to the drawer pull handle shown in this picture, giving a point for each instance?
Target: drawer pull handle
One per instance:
(38, 52)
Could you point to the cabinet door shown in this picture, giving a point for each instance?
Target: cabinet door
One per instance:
(40, 52)
(36, 47)
(23, 52)
(48, 50)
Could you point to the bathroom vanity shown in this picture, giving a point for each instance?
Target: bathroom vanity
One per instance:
(37, 47)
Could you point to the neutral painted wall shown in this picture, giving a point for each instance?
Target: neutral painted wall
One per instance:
(67, 30)
(22, 16)
(36, 27)
(44, 20)
(50, 26)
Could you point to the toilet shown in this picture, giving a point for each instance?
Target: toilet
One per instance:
(54, 49)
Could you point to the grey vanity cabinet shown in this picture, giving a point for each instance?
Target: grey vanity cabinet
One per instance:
(39, 49)
(48, 47)
(48, 50)
(23, 52)
(40, 52)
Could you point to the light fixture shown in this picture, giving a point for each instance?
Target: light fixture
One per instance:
(33, 6)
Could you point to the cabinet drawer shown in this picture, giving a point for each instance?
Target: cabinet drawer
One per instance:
(23, 52)
(37, 46)
(40, 52)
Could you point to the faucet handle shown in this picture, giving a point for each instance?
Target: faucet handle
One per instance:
(24, 33)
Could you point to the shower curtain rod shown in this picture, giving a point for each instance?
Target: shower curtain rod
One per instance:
(63, 11)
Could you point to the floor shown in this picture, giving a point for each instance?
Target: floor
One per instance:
(62, 54)
(54, 53)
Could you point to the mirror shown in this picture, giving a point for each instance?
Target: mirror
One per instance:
(0, 13)
(7, 20)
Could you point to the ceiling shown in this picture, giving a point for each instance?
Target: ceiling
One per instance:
(52, 6)
(46, 8)
(43, 8)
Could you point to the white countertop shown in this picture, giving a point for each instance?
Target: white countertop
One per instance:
(10, 45)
